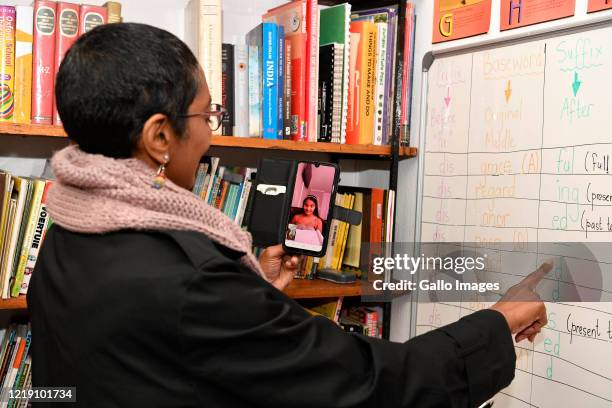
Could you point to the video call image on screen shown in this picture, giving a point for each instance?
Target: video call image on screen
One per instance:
(310, 206)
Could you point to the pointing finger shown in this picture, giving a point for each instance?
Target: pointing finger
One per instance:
(536, 276)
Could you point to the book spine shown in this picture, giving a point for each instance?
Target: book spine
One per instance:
(7, 63)
(326, 73)
(113, 10)
(336, 97)
(368, 85)
(270, 81)
(379, 94)
(227, 87)
(43, 62)
(91, 17)
(280, 129)
(241, 90)
(23, 64)
(354, 90)
(254, 65)
(30, 228)
(65, 35)
(288, 90)
(407, 71)
(210, 39)
(390, 77)
(312, 69)
(244, 198)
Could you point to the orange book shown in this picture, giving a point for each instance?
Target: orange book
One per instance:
(376, 215)
(362, 83)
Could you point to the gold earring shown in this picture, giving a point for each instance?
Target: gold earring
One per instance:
(160, 177)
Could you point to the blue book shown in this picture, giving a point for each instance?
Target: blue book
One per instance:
(270, 81)
(281, 81)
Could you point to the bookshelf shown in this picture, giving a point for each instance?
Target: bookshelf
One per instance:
(29, 137)
(12, 129)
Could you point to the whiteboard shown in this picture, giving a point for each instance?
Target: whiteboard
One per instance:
(518, 143)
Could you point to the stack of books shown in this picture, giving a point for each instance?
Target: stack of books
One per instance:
(307, 74)
(16, 364)
(345, 241)
(23, 223)
(33, 42)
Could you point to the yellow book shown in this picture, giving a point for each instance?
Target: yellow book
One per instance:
(336, 260)
(345, 234)
(113, 9)
(353, 243)
(7, 63)
(327, 260)
(23, 64)
(367, 106)
(38, 187)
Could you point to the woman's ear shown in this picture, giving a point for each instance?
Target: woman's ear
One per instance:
(156, 139)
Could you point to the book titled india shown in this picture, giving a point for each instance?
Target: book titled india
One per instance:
(281, 83)
(7, 63)
(23, 64)
(91, 17)
(270, 81)
(43, 79)
(65, 35)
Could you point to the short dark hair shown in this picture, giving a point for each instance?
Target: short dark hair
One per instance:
(117, 76)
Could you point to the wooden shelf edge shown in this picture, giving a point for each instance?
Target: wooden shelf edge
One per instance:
(317, 288)
(14, 129)
(18, 303)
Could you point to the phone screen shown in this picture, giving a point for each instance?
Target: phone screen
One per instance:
(311, 206)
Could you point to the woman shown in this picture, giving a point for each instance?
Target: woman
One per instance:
(309, 218)
(143, 296)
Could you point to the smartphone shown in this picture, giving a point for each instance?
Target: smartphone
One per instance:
(311, 208)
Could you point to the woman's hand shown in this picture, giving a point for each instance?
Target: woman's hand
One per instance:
(522, 307)
(279, 267)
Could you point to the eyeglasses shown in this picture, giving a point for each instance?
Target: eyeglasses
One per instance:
(214, 117)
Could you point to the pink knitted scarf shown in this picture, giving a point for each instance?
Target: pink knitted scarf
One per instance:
(95, 194)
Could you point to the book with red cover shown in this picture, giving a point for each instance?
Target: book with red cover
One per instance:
(66, 33)
(377, 211)
(312, 69)
(91, 17)
(43, 79)
(292, 17)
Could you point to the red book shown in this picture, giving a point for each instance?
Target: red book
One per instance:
(43, 79)
(377, 211)
(66, 34)
(312, 68)
(91, 17)
(292, 16)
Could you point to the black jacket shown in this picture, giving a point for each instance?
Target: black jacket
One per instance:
(170, 319)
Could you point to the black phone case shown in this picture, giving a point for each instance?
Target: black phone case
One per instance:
(271, 198)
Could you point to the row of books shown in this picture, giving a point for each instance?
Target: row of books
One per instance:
(355, 319)
(33, 42)
(16, 364)
(318, 75)
(23, 223)
(225, 188)
(346, 242)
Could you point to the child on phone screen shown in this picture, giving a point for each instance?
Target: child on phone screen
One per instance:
(309, 218)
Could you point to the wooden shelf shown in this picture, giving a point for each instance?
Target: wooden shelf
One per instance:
(331, 148)
(17, 303)
(235, 142)
(317, 288)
